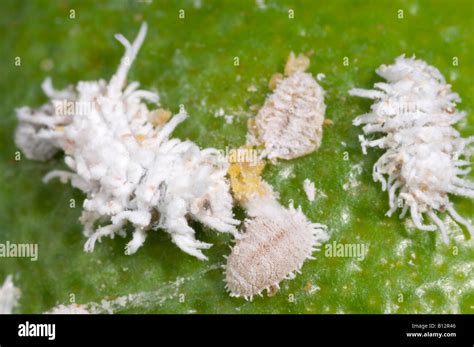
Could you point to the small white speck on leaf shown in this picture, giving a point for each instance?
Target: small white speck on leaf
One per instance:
(309, 189)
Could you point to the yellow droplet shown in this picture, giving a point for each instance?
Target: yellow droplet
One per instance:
(159, 117)
(246, 180)
(140, 137)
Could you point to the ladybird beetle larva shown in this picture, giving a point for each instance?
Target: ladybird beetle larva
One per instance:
(425, 157)
(121, 155)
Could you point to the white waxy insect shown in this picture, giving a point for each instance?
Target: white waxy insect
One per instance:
(425, 157)
(121, 155)
(276, 240)
(69, 309)
(276, 243)
(9, 295)
(290, 123)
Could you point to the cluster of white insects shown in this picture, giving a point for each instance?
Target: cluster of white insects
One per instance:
(425, 156)
(120, 154)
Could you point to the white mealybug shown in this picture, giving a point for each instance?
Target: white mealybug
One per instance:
(69, 309)
(425, 156)
(276, 240)
(276, 243)
(9, 296)
(121, 156)
(290, 123)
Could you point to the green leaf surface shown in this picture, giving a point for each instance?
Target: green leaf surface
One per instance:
(190, 61)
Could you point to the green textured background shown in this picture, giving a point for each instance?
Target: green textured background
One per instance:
(190, 61)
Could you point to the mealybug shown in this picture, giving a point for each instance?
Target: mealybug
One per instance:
(290, 123)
